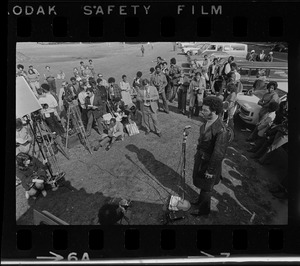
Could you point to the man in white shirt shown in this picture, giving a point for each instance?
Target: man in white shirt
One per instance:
(49, 111)
(227, 67)
(81, 98)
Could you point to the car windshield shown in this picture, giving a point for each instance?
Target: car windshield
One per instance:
(270, 73)
(260, 93)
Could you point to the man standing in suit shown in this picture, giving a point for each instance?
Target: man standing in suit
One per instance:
(159, 80)
(148, 96)
(95, 110)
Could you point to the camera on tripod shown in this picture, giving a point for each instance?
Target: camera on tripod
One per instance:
(45, 106)
(36, 116)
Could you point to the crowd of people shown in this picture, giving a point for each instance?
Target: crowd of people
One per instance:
(261, 57)
(204, 89)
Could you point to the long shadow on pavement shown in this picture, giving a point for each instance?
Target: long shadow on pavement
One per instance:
(77, 207)
(163, 173)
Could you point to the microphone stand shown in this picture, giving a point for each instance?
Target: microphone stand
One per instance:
(185, 134)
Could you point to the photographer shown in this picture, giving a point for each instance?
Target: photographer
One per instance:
(32, 174)
(49, 105)
(95, 110)
(23, 138)
(182, 93)
(196, 90)
(159, 81)
(174, 74)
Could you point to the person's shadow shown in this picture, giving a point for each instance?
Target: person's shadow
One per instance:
(163, 173)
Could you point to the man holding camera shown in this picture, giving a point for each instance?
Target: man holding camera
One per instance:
(95, 110)
(196, 91)
(148, 96)
(174, 74)
(49, 111)
(159, 80)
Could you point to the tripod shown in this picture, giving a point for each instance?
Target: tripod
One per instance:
(74, 116)
(46, 140)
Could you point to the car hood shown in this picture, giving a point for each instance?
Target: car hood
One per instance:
(247, 101)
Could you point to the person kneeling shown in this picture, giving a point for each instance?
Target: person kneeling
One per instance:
(115, 132)
(32, 174)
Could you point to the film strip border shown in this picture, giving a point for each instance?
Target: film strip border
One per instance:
(163, 22)
(153, 241)
(151, 20)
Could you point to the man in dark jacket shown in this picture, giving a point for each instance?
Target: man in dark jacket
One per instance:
(95, 110)
(174, 74)
(211, 149)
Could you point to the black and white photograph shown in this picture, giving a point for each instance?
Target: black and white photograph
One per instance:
(152, 133)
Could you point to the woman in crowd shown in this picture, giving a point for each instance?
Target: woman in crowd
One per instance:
(125, 90)
(263, 125)
(270, 96)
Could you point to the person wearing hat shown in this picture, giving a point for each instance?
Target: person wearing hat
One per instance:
(103, 81)
(269, 57)
(33, 79)
(251, 56)
(175, 74)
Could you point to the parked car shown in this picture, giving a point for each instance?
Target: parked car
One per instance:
(221, 55)
(232, 49)
(272, 71)
(247, 107)
(188, 49)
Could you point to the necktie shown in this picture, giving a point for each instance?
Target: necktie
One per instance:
(87, 100)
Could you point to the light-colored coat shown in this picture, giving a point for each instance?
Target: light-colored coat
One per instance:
(153, 96)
